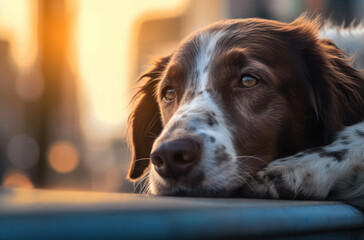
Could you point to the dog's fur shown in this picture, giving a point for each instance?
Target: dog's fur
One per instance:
(307, 93)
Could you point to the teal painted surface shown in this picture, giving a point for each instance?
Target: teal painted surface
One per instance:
(189, 219)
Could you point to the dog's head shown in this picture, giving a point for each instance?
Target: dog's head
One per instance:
(233, 97)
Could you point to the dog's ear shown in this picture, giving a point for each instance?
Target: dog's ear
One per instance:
(347, 83)
(145, 120)
(334, 88)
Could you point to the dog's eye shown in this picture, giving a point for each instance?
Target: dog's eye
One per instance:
(169, 94)
(248, 81)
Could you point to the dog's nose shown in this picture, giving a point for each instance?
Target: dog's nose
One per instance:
(176, 158)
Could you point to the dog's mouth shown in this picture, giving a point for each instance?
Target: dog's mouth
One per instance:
(192, 186)
(185, 184)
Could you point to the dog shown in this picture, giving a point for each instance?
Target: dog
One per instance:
(254, 108)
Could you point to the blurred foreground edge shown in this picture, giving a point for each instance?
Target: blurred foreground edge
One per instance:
(48, 214)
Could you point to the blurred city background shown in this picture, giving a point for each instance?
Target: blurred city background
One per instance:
(68, 70)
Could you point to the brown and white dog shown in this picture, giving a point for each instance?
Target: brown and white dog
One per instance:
(224, 114)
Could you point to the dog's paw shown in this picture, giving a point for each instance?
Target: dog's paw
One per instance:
(282, 181)
(275, 183)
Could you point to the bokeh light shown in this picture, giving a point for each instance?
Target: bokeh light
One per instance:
(63, 157)
(18, 179)
(23, 151)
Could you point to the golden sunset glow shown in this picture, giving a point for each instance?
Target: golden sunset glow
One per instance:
(26, 197)
(18, 22)
(70, 74)
(103, 39)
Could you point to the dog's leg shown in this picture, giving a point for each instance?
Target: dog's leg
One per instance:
(335, 172)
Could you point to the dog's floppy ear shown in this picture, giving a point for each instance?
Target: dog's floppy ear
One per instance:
(347, 84)
(333, 87)
(145, 120)
(338, 88)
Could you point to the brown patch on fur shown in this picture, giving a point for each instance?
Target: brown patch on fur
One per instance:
(221, 155)
(176, 71)
(210, 119)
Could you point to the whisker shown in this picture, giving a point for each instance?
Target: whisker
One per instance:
(140, 159)
(141, 181)
(252, 178)
(145, 182)
(253, 157)
(152, 135)
(145, 188)
(241, 178)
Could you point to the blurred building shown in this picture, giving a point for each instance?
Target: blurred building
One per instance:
(68, 70)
